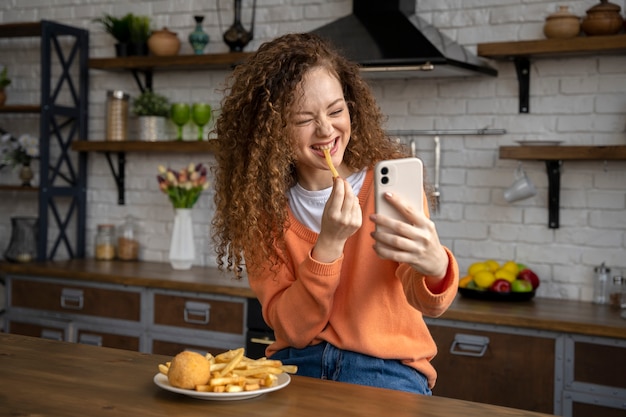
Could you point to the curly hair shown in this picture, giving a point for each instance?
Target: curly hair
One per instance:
(256, 157)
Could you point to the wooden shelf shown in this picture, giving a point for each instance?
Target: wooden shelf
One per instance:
(122, 147)
(554, 156)
(563, 153)
(20, 108)
(226, 61)
(18, 188)
(553, 47)
(520, 53)
(141, 146)
(17, 30)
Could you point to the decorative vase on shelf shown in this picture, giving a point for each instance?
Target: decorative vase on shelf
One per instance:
(23, 245)
(237, 37)
(164, 43)
(26, 174)
(198, 38)
(182, 247)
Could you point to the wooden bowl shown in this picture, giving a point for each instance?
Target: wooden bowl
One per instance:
(562, 24)
(603, 19)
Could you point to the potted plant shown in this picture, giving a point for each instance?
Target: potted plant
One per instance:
(139, 34)
(120, 29)
(152, 110)
(4, 81)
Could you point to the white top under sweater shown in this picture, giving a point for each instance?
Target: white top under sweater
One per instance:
(308, 206)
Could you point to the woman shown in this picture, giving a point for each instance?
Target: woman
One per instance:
(345, 301)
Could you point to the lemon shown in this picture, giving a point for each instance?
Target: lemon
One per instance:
(476, 267)
(484, 279)
(493, 265)
(505, 274)
(511, 266)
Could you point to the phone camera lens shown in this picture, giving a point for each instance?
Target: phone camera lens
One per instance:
(384, 180)
(384, 170)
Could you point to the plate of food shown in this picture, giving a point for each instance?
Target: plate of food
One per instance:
(161, 381)
(227, 376)
(539, 142)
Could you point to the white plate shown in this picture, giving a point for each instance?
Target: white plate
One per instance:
(539, 142)
(161, 381)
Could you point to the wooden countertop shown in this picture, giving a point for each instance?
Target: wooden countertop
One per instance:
(540, 313)
(50, 378)
(142, 274)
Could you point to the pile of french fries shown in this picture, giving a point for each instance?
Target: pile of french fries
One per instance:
(231, 371)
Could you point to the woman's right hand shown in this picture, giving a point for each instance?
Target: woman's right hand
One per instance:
(342, 217)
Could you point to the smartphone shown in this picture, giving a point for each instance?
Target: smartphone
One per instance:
(403, 177)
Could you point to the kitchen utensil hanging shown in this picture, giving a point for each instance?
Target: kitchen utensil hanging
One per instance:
(436, 193)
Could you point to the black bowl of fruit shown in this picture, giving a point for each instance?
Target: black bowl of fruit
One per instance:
(494, 282)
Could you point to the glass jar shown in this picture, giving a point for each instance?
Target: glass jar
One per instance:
(617, 292)
(117, 109)
(601, 284)
(105, 242)
(127, 243)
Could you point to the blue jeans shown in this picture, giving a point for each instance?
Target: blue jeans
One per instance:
(327, 362)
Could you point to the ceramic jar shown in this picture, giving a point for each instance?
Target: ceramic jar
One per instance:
(164, 43)
(562, 24)
(603, 19)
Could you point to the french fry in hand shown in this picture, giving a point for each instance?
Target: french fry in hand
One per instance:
(329, 161)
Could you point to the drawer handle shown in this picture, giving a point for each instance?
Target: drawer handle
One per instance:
(262, 341)
(197, 313)
(72, 299)
(469, 345)
(90, 339)
(52, 334)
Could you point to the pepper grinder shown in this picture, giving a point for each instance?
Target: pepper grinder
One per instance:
(600, 288)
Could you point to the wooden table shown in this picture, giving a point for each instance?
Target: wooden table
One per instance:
(49, 378)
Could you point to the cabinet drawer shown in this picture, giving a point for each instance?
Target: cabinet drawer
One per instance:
(50, 331)
(112, 340)
(199, 313)
(76, 299)
(600, 364)
(495, 368)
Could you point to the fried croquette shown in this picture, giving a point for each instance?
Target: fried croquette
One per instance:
(189, 369)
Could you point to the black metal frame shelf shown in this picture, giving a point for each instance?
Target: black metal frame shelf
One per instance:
(68, 48)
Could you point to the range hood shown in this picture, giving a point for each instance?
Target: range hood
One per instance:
(389, 40)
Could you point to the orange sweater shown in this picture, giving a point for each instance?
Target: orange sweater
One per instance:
(359, 302)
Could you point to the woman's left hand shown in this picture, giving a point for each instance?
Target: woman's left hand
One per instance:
(414, 242)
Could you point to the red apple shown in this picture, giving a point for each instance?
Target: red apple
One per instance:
(530, 276)
(500, 285)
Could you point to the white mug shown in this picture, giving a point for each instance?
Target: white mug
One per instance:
(521, 188)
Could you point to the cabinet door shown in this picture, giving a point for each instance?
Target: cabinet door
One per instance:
(74, 298)
(199, 313)
(504, 369)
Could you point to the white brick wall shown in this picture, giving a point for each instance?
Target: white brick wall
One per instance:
(578, 100)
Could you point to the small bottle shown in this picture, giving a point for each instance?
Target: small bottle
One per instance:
(616, 292)
(600, 289)
(105, 242)
(127, 243)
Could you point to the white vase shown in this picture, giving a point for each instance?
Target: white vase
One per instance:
(182, 247)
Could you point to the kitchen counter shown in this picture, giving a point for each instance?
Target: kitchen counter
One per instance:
(540, 313)
(51, 378)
